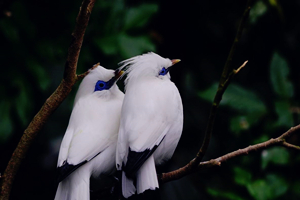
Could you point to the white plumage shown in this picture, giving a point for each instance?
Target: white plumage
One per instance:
(89, 145)
(151, 122)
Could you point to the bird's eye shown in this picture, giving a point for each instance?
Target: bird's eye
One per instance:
(100, 85)
(163, 71)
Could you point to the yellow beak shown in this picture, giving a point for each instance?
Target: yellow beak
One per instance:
(118, 74)
(174, 61)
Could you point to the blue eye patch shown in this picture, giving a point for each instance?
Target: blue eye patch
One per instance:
(102, 85)
(163, 71)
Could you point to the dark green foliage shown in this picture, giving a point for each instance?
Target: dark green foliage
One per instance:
(123, 21)
(248, 106)
(251, 113)
(261, 103)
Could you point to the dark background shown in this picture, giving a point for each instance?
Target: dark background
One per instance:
(261, 102)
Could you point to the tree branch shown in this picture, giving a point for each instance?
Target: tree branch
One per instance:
(291, 146)
(212, 116)
(69, 79)
(224, 82)
(228, 64)
(279, 141)
(81, 76)
(191, 166)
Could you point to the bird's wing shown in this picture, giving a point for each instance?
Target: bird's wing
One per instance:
(91, 130)
(148, 142)
(146, 118)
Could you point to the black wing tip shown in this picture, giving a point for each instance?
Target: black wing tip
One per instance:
(66, 169)
(135, 160)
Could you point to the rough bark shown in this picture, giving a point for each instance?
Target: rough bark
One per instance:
(62, 91)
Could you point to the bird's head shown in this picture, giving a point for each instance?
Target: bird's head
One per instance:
(99, 81)
(150, 65)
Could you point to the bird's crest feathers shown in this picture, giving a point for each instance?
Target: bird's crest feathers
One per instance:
(149, 64)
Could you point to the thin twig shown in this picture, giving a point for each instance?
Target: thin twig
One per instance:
(81, 76)
(212, 115)
(228, 64)
(242, 66)
(291, 146)
(177, 174)
(224, 81)
(271, 142)
(192, 165)
(288, 134)
(52, 102)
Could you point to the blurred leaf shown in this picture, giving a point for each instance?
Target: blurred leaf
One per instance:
(9, 30)
(237, 98)
(262, 138)
(225, 195)
(270, 188)
(6, 124)
(49, 50)
(273, 2)
(121, 20)
(41, 76)
(241, 176)
(209, 93)
(239, 123)
(243, 122)
(22, 20)
(259, 189)
(189, 83)
(139, 16)
(114, 12)
(275, 155)
(285, 117)
(108, 44)
(296, 187)
(258, 10)
(279, 72)
(23, 101)
(277, 185)
(241, 100)
(276, 4)
(132, 46)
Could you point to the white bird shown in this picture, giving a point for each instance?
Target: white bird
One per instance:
(151, 121)
(89, 144)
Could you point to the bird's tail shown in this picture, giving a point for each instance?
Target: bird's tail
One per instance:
(75, 187)
(146, 176)
(128, 188)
